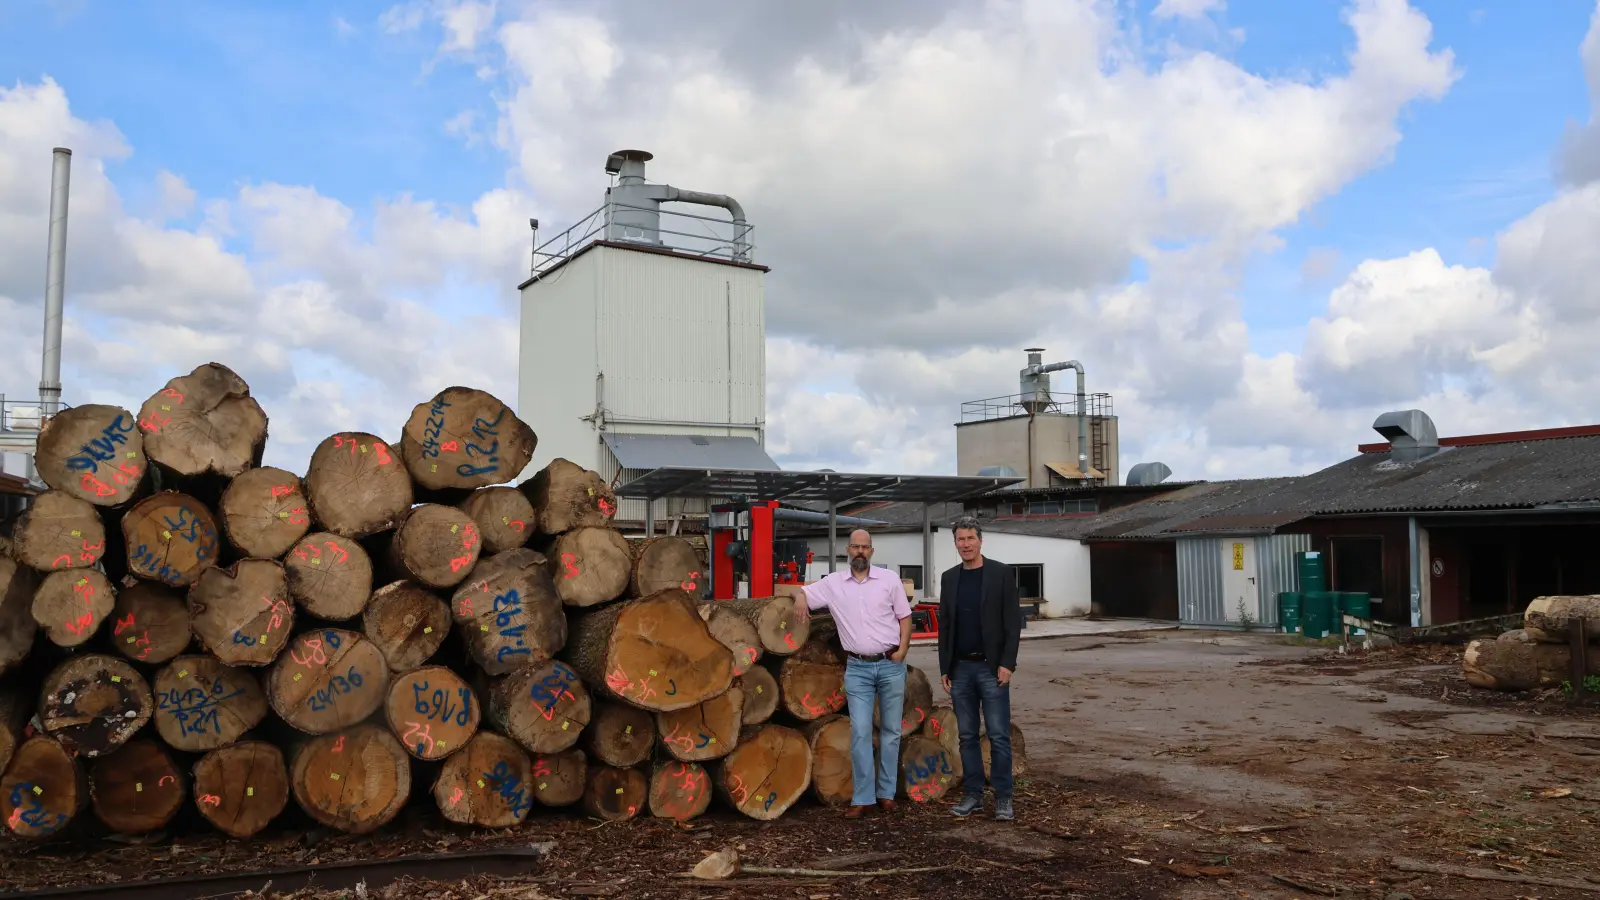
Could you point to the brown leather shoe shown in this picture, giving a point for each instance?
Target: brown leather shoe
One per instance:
(886, 805)
(855, 812)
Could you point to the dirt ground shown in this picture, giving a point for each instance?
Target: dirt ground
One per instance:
(1171, 764)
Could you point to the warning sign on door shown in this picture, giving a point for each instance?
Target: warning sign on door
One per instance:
(1238, 557)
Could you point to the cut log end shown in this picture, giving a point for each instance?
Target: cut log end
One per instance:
(137, 789)
(264, 512)
(204, 423)
(94, 453)
(565, 496)
(242, 614)
(1546, 618)
(509, 612)
(832, 773)
(926, 770)
(615, 794)
(356, 486)
(242, 787)
(202, 704)
(735, 632)
(42, 790)
(465, 438)
(171, 538)
(679, 790)
(94, 703)
(407, 622)
(709, 730)
(432, 711)
(355, 781)
(781, 632)
(329, 576)
(559, 779)
(760, 695)
(328, 680)
(619, 735)
(544, 708)
(70, 604)
(17, 627)
(435, 545)
(655, 652)
(1019, 753)
(666, 562)
(150, 623)
(590, 565)
(489, 782)
(504, 516)
(766, 773)
(58, 531)
(811, 682)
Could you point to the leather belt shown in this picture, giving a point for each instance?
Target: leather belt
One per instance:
(867, 657)
(971, 657)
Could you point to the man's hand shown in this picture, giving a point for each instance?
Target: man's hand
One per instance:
(802, 610)
(944, 681)
(1003, 676)
(899, 655)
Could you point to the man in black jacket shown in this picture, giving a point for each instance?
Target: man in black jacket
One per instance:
(980, 624)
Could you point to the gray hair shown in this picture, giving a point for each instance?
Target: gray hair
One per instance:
(966, 522)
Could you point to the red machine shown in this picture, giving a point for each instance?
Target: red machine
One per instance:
(750, 552)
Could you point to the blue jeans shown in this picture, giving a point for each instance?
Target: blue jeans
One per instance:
(865, 682)
(974, 689)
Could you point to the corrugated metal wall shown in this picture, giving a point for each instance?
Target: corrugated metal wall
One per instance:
(1200, 582)
(1275, 566)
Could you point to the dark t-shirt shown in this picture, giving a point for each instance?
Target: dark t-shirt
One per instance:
(969, 608)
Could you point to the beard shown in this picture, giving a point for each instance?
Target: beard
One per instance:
(858, 564)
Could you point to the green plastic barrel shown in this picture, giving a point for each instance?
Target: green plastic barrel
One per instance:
(1354, 603)
(1313, 574)
(1317, 610)
(1289, 611)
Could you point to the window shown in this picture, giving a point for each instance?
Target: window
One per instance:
(1358, 565)
(914, 573)
(1044, 508)
(1030, 581)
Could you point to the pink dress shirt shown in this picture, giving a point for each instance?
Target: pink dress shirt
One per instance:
(868, 612)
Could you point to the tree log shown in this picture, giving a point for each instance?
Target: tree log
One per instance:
(329, 576)
(17, 628)
(565, 496)
(264, 512)
(679, 790)
(465, 438)
(509, 612)
(202, 704)
(766, 773)
(709, 730)
(407, 622)
(93, 703)
(655, 652)
(171, 538)
(590, 565)
(42, 789)
(92, 452)
(151, 623)
(242, 787)
(615, 794)
(560, 778)
(810, 682)
(242, 614)
(58, 531)
(435, 545)
(70, 604)
(356, 487)
(1019, 753)
(328, 680)
(137, 789)
(544, 708)
(735, 632)
(16, 707)
(781, 633)
(432, 711)
(204, 423)
(833, 780)
(666, 562)
(1546, 617)
(504, 517)
(942, 727)
(488, 782)
(761, 695)
(618, 734)
(1516, 662)
(356, 780)
(926, 771)
(917, 706)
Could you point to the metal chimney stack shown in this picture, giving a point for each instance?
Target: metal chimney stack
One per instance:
(55, 282)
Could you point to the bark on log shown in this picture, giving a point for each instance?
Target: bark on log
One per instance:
(70, 604)
(329, 576)
(544, 708)
(204, 423)
(509, 612)
(356, 780)
(766, 773)
(356, 486)
(666, 562)
(565, 496)
(202, 704)
(560, 778)
(171, 538)
(488, 782)
(150, 623)
(58, 531)
(917, 706)
(618, 734)
(926, 771)
(242, 614)
(435, 545)
(93, 703)
(810, 682)
(735, 632)
(17, 628)
(432, 711)
(242, 787)
(1516, 662)
(137, 789)
(465, 438)
(832, 774)
(328, 680)
(655, 652)
(16, 707)
(615, 794)
(1019, 753)
(92, 452)
(781, 633)
(42, 790)
(709, 730)
(407, 622)
(679, 790)
(504, 517)
(590, 565)
(1546, 617)
(264, 512)
(761, 695)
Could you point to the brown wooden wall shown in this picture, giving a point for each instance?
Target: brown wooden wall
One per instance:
(1394, 603)
(1134, 579)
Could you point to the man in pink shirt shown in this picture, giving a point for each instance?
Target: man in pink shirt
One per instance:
(868, 604)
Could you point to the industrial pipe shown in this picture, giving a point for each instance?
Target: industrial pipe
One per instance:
(810, 517)
(55, 282)
(741, 229)
(1083, 411)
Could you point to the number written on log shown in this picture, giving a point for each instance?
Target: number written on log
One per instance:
(85, 591)
(378, 447)
(197, 709)
(440, 706)
(315, 656)
(33, 815)
(509, 787)
(549, 690)
(103, 448)
(424, 740)
(507, 607)
(930, 766)
(338, 684)
(430, 434)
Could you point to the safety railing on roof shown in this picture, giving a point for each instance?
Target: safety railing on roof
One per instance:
(20, 422)
(684, 233)
(1060, 403)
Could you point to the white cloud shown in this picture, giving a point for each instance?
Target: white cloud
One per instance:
(1187, 9)
(177, 198)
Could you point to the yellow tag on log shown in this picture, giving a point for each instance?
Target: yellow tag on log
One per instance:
(263, 639)
(434, 467)
(116, 679)
(505, 520)
(183, 673)
(484, 627)
(619, 790)
(454, 528)
(480, 782)
(334, 775)
(316, 562)
(441, 745)
(82, 582)
(713, 740)
(628, 730)
(39, 791)
(541, 785)
(758, 688)
(564, 725)
(652, 671)
(297, 676)
(249, 792)
(138, 787)
(77, 533)
(283, 515)
(363, 448)
(167, 535)
(591, 493)
(166, 409)
(428, 630)
(131, 640)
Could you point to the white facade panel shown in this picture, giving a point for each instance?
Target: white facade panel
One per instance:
(556, 363)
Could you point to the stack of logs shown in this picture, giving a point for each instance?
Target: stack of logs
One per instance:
(182, 628)
(1539, 654)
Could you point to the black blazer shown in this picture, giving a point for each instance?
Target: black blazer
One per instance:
(1001, 613)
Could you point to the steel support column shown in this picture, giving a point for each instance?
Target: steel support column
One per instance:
(650, 518)
(833, 533)
(927, 551)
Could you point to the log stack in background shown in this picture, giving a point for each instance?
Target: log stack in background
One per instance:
(1539, 654)
(181, 627)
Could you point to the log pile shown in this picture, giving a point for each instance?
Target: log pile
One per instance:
(184, 628)
(1540, 654)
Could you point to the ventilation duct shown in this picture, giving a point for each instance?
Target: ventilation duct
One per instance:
(634, 206)
(1149, 473)
(1035, 390)
(1410, 434)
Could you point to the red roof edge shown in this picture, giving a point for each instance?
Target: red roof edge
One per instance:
(1503, 437)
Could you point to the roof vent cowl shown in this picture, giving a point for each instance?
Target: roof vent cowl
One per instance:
(1410, 433)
